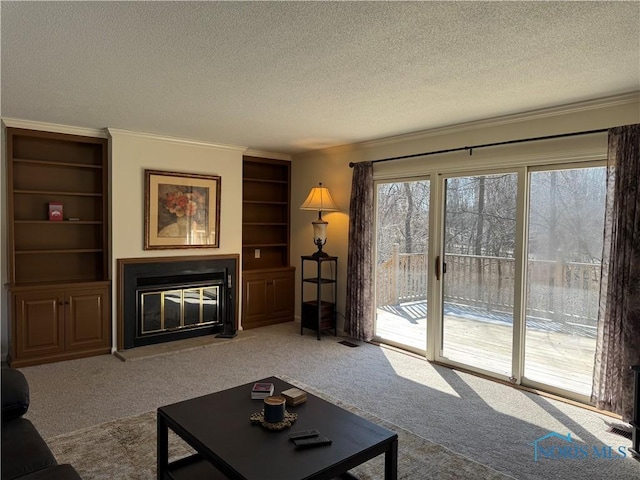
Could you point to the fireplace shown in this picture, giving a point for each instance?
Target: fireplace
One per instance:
(167, 299)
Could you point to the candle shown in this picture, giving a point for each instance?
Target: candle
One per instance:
(274, 409)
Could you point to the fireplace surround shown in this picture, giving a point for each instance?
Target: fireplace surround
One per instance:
(162, 299)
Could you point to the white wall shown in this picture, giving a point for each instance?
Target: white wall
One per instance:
(334, 173)
(331, 166)
(131, 154)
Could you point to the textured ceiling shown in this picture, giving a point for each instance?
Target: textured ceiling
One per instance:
(292, 76)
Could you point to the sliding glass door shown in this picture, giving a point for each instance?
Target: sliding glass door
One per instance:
(478, 271)
(565, 224)
(402, 240)
(551, 342)
(517, 271)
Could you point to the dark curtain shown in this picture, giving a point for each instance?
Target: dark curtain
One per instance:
(359, 308)
(618, 341)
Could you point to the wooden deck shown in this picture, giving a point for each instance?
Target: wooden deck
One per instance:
(559, 359)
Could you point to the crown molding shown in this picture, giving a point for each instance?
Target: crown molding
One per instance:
(174, 140)
(572, 108)
(54, 127)
(258, 153)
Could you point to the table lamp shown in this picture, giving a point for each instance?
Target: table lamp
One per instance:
(319, 199)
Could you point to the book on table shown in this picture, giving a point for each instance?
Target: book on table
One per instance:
(261, 390)
(294, 396)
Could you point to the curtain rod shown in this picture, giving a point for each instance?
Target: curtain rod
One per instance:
(496, 144)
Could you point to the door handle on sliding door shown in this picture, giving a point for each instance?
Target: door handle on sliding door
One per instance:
(440, 270)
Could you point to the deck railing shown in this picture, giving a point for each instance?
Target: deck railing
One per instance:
(558, 291)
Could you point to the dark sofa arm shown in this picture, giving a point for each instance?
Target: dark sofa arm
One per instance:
(24, 451)
(59, 472)
(15, 394)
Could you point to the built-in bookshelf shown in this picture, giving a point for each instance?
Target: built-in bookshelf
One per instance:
(265, 213)
(268, 279)
(57, 264)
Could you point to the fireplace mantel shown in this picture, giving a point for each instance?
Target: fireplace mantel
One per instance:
(133, 272)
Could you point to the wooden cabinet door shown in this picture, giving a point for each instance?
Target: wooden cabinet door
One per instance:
(281, 292)
(267, 297)
(255, 303)
(38, 321)
(87, 322)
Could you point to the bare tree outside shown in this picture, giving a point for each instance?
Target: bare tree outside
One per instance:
(566, 212)
(402, 218)
(481, 216)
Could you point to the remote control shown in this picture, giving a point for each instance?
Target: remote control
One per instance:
(312, 442)
(304, 434)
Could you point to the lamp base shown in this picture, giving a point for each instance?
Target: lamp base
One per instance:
(319, 242)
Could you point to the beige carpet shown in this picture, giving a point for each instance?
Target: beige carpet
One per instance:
(125, 449)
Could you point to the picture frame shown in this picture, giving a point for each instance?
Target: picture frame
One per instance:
(182, 210)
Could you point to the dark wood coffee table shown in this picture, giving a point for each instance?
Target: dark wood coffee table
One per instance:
(228, 445)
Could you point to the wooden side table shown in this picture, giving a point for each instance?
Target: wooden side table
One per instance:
(319, 313)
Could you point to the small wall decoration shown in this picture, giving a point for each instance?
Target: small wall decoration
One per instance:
(182, 210)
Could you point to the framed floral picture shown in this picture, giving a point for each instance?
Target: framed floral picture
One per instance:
(182, 210)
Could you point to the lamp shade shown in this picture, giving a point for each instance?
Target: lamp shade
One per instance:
(319, 199)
